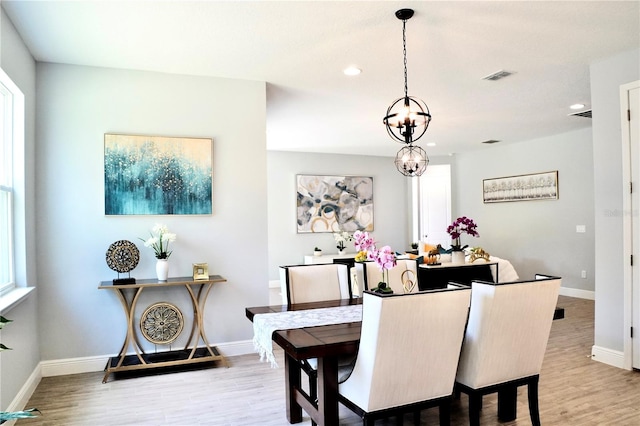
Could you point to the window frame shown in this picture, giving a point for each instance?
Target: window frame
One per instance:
(12, 144)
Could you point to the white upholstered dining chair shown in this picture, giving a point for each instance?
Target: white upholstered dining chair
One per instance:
(505, 342)
(314, 283)
(408, 354)
(368, 275)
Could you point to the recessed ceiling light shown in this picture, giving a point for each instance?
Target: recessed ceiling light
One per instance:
(577, 106)
(352, 70)
(431, 144)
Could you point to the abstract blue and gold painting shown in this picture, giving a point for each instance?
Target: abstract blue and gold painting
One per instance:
(156, 175)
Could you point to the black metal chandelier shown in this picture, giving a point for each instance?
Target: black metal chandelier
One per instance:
(408, 118)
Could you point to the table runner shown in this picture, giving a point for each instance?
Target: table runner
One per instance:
(265, 324)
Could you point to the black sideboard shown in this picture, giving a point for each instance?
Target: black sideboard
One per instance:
(438, 276)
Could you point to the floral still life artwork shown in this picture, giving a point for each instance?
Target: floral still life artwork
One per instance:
(334, 203)
(462, 225)
(385, 258)
(154, 175)
(159, 241)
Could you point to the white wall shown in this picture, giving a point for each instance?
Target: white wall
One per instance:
(76, 107)
(606, 78)
(390, 197)
(22, 335)
(536, 236)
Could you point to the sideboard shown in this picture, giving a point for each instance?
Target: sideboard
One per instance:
(328, 258)
(437, 276)
(161, 323)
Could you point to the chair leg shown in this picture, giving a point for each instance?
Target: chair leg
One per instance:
(475, 403)
(534, 409)
(444, 414)
(507, 403)
(416, 418)
(313, 391)
(313, 387)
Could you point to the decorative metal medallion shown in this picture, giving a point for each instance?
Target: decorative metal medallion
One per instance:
(161, 323)
(123, 256)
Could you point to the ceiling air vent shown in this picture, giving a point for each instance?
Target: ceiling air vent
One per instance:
(497, 75)
(586, 114)
(490, 141)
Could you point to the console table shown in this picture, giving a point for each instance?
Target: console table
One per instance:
(163, 324)
(437, 276)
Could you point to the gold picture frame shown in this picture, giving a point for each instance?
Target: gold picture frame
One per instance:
(200, 271)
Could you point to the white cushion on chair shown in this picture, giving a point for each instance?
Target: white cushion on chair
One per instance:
(409, 348)
(508, 330)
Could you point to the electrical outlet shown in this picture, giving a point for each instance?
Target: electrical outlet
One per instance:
(583, 274)
(581, 228)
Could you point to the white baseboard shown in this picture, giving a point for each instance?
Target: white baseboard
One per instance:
(607, 356)
(61, 367)
(19, 403)
(575, 292)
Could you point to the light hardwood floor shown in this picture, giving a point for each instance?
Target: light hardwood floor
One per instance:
(574, 390)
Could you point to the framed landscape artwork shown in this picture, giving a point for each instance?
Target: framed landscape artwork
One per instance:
(156, 175)
(535, 186)
(334, 203)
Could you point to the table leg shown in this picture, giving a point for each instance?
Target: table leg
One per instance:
(292, 375)
(328, 391)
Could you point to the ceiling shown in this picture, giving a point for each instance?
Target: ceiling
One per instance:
(301, 47)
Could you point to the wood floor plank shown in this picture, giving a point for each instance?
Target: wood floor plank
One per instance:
(574, 390)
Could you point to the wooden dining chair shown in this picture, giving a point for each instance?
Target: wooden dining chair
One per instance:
(408, 354)
(505, 342)
(405, 273)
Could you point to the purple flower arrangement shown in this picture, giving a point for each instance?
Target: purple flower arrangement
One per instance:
(462, 225)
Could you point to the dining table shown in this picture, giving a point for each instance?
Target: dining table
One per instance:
(326, 343)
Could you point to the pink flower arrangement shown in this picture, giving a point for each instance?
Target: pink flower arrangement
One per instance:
(385, 258)
(462, 225)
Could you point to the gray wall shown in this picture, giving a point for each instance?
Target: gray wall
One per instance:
(606, 78)
(76, 107)
(22, 335)
(287, 247)
(536, 236)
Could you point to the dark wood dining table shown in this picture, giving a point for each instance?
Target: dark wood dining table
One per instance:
(326, 343)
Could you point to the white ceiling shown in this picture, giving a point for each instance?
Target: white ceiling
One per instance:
(301, 47)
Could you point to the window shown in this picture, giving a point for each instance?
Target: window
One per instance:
(432, 205)
(11, 141)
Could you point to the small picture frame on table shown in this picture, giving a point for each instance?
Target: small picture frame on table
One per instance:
(200, 271)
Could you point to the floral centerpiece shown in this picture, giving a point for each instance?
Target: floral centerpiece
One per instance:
(159, 241)
(462, 225)
(384, 258)
(341, 239)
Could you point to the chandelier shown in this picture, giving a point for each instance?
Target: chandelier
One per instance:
(408, 118)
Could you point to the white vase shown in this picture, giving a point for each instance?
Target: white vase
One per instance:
(457, 257)
(341, 252)
(162, 269)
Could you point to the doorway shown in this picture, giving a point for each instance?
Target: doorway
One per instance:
(630, 109)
